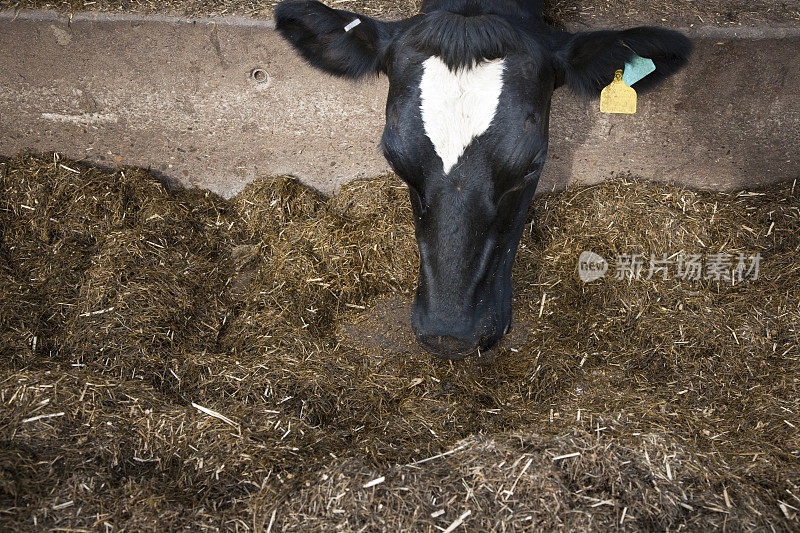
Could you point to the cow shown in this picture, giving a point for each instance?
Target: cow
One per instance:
(467, 123)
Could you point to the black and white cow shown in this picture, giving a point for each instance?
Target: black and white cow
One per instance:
(467, 119)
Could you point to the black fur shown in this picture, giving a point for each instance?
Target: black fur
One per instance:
(469, 220)
(463, 32)
(317, 32)
(461, 41)
(589, 59)
(516, 9)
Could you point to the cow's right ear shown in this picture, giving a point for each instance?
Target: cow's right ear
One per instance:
(339, 42)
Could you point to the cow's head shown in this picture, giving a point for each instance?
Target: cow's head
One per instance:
(467, 118)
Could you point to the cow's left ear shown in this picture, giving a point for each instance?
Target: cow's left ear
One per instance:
(588, 60)
(339, 42)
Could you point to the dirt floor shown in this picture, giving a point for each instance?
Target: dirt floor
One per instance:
(588, 12)
(173, 360)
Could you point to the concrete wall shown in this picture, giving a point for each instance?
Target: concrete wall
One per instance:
(177, 96)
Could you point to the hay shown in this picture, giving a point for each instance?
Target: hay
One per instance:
(174, 360)
(557, 12)
(202, 8)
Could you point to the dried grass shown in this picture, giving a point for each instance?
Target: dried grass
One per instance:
(174, 360)
(558, 12)
(195, 8)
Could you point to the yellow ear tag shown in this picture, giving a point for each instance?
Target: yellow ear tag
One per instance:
(618, 97)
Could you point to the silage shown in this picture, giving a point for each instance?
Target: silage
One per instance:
(198, 362)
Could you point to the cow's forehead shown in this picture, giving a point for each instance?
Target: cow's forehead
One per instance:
(458, 105)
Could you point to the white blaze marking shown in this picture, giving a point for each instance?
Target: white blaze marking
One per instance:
(458, 106)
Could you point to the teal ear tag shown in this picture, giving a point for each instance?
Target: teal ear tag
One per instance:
(636, 69)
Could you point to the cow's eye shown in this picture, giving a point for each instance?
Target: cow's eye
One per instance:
(537, 164)
(416, 201)
(534, 169)
(532, 122)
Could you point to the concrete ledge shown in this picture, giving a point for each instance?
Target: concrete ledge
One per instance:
(176, 95)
